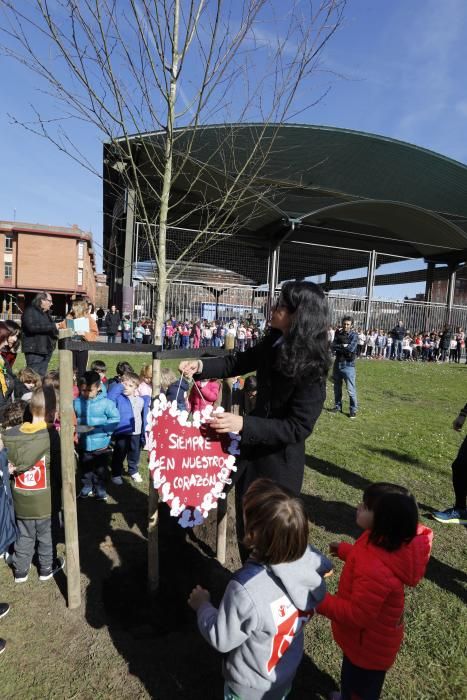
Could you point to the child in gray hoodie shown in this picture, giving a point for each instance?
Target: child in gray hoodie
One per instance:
(260, 620)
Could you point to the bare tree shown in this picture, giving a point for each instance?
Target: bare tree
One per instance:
(172, 67)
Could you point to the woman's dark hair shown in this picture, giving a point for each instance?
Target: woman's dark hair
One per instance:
(5, 332)
(395, 515)
(15, 329)
(91, 307)
(305, 350)
(123, 367)
(276, 524)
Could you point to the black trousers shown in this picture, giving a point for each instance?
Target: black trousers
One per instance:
(128, 446)
(39, 363)
(459, 477)
(359, 682)
(80, 362)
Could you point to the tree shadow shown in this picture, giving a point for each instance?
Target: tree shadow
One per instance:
(156, 635)
(335, 516)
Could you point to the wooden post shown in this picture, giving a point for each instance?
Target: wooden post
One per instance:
(221, 535)
(153, 501)
(69, 476)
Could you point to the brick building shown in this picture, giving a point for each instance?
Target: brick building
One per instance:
(36, 258)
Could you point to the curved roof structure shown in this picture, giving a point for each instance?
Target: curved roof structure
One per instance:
(312, 184)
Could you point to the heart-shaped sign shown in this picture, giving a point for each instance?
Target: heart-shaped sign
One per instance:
(190, 464)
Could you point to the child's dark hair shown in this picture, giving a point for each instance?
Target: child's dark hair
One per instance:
(13, 413)
(91, 377)
(98, 366)
(276, 524)
(123, 368)
(395, 515)
(251, 383)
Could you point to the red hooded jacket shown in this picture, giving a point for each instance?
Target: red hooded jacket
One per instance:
(203, 394)
(367, 611)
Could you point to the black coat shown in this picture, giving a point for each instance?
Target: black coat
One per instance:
(112, 322)
(274, 434)
(39, 331)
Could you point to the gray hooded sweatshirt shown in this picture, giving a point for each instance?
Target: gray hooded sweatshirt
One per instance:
(259, 623)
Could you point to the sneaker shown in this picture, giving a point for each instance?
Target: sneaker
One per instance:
(21, 576)
(4, 609)
(457, 516)
(101, 494)
(85, 492)
(336, 409)
(46, 574)
(2, 646)
(352, 414)
(117, 480)
(137, 477)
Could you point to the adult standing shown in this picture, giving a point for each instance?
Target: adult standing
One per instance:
(458, 513)
(345, 346)
(40, 333)
(445, 342)
(89, 333)
(100, 315)
(398, 333)
(291, 362)
(112, 323)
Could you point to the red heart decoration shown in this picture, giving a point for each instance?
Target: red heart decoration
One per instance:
(190, 464)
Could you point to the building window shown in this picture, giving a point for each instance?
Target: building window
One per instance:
(8, 270)
(81, 250)
(8, 243)
(80, 277)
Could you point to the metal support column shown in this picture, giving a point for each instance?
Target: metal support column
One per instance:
(451, 291)
(370, 284)
(127, 276)
(273, 278)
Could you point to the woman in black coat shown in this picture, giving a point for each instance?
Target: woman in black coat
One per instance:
(291, 363)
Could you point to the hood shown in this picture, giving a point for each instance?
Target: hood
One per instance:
(303, 579)
(410, 561)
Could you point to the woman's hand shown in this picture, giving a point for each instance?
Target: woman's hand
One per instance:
(197, 597)
(226, 423)
(188, 368)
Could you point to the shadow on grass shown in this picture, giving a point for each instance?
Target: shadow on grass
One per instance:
(156, 635)
(339, 517)
(401, 457)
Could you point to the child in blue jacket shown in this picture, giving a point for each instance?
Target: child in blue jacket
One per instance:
(129, 436)
(93, 409)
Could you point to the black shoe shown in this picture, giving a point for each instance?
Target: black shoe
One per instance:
(2, 646)
(21, 576)
(46, 574)
(4, 609)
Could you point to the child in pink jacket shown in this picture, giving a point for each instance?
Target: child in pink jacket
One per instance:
(203, 392)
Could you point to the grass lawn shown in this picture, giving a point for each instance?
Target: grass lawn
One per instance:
(402, 434)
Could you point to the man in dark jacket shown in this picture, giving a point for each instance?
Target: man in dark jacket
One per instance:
(345, 346)
(398, 334)
(458, 513)
(112, 323)
(445, 343)
(39, 333)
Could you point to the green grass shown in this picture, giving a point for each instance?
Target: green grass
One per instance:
(402, 434)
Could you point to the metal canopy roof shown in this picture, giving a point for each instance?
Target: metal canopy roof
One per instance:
(317, 185)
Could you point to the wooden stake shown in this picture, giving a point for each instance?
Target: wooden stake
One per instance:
(153, 503)
(69, 476)
(221, 536)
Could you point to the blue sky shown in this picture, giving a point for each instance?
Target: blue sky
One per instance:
(395, 68)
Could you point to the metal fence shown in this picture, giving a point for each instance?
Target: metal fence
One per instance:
(193, 302)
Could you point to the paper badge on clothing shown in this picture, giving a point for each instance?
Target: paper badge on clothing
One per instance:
(35, 479)
(190, 464)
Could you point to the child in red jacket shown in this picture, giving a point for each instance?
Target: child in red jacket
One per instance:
(367, 611)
